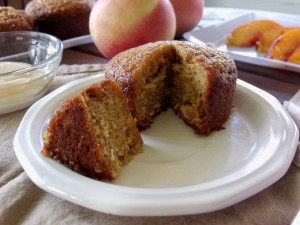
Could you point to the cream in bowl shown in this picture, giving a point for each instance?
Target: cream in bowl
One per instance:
(28, 65)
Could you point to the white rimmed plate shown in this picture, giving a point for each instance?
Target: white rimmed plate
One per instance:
(216, 34)
(179, 172)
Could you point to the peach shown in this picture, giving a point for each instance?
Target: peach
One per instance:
(285, 45)
(268, 37)
(295, 56)
(117, 25)
(249, 33)
(188, 14)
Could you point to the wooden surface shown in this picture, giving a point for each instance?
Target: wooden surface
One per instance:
(280, 83)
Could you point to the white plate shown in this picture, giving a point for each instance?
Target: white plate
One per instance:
(217, 34)
(179, 172)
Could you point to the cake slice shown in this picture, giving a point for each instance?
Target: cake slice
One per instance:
(93, 132)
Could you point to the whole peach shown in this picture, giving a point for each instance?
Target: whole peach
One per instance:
(188, 14)
(117, 25)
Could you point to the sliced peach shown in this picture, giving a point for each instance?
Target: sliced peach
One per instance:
(295, 56)
(268, 37)
(285, 45)
(249, 33)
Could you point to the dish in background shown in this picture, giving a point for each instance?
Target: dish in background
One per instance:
(28, 62)
(217, 34)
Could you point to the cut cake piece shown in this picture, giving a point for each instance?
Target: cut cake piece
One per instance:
(93, 132)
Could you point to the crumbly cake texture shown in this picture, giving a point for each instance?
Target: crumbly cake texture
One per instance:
(94, 132)
(62, 18)
(198, 82)
(14, 20)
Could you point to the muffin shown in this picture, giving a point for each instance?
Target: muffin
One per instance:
(62, 18)
(14, 20)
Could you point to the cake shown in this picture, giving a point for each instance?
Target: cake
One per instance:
(62, 18)
(14, 20)
(97, 131)
(93, 132)
(197, 81)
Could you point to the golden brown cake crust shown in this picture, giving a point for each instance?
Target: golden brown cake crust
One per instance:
(75, 144)
(71, 140)
(127, 67)
(219, 72)
(57, 9)
(62, 18)
(14, 20)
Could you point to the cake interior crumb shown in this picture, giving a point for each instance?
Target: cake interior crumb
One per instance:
(181, 80)
(114, 132)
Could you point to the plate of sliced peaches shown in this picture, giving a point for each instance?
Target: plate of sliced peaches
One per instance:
(257, 37)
